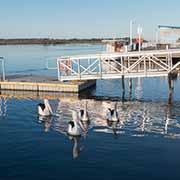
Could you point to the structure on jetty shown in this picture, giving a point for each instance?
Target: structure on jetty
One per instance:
(77, 73)
(118, 65)
(130, 65)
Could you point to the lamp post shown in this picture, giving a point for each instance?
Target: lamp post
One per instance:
(157, 36)
(131, 32)
(139, 31)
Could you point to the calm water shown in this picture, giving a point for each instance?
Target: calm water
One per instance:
(145, 144)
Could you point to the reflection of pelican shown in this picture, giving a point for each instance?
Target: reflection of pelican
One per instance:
(76, 149)
(83, 114)
(45, 109)
(73, 128)
(113, 125)
(85, 125)
(47, 122)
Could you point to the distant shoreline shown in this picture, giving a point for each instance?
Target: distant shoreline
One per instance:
(46, 41)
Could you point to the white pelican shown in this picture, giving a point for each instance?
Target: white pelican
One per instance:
(73, 128)
(45, 109)
(83, 114)
(112, 114)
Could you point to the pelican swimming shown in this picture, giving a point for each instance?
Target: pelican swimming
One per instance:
(44, 109)
(73, 128)
(112, 115)
(83, 114)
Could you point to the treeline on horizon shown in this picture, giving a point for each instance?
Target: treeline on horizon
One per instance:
(48, 41)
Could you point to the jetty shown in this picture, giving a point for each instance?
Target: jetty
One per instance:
(153, 63)
(121, 65)
(78, 73)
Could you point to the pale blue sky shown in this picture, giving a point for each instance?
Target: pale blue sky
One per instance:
(84, 18)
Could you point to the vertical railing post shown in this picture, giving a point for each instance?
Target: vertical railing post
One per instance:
(145, 68)
(79, 70)
(3, 68)
(58, 69)
(100, 67)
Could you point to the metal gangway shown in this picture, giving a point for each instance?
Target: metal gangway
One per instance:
(153, 63)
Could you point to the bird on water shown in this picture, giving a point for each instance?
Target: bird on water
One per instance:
(44, 109)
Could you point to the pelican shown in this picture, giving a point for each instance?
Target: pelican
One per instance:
(44, 109)
(73, 128)
(83, 114)
(112, 115)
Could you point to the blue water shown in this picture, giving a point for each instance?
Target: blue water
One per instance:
(32, 59)
(145, 144)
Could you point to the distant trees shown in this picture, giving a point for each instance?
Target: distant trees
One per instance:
(46, 41)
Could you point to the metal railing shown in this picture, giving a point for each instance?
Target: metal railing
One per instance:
(115, 65)
(3, 68)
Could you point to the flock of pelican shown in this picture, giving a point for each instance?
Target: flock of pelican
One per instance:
(75, 125)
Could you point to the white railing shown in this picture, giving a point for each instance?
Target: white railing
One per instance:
(3, 68)
(115, 65)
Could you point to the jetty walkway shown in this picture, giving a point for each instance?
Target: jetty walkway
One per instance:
(154, 63)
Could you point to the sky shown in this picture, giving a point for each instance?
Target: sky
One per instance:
(85, 18)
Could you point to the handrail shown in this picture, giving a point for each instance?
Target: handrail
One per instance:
(3, 68)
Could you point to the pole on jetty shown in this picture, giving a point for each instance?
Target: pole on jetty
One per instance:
(132, 21)
(171, 88)
(139, 31)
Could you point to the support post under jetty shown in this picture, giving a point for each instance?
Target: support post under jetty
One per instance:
(171, 87)
(123, 87)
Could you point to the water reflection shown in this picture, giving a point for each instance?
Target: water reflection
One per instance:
(135, 118)
(3, 106)
(76, 148)
(46, 121)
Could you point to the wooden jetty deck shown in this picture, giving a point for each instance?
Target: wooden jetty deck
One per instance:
(43, 84)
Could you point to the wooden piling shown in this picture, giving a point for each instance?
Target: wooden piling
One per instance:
(123, 87)
(171, 88)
